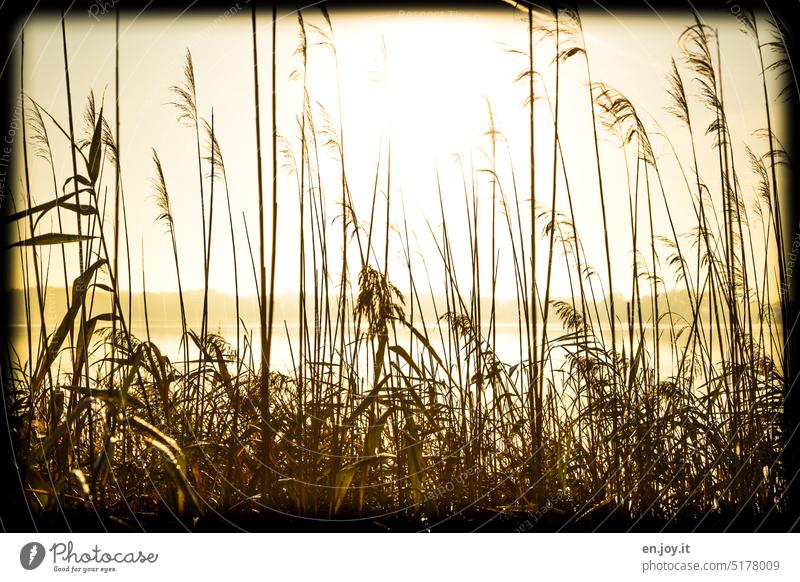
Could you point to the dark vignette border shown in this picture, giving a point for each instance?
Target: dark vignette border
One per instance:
(14, 515)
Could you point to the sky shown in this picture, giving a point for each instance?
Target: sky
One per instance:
(422, 81)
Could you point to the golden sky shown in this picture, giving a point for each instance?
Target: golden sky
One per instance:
(430, 100)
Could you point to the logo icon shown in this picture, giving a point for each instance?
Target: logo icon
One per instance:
(31, 555)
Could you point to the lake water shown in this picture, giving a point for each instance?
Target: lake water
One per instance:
(285, 341)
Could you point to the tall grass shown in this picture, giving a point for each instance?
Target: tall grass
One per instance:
(396, 399)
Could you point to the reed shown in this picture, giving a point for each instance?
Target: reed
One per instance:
(397, 398)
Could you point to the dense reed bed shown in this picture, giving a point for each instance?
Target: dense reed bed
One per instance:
(395, 404)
